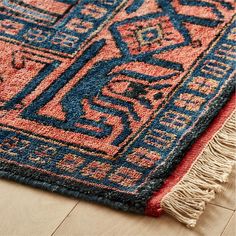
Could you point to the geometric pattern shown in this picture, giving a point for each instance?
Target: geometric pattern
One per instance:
(105, 96)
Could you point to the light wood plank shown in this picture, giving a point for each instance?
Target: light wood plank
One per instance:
(230, 230)
(227, 198)
(27, 211)
(93, 220)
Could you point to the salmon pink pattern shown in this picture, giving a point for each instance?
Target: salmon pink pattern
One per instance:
(100, 99)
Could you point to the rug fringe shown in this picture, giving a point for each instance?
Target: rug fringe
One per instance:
(186, 201)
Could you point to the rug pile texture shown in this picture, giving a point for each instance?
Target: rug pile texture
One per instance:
(128, 103)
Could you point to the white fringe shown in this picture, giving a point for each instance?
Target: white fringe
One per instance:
(186, 201)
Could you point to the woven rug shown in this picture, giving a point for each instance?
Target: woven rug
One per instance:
(123, 102)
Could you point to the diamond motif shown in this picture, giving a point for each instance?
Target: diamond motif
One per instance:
(154, 34)
(149, 35)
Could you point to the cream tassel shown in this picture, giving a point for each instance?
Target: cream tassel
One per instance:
(186, 201)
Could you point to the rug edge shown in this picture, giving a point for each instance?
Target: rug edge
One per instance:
(186, 201)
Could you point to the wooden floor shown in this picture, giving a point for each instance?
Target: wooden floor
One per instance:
(25, 211)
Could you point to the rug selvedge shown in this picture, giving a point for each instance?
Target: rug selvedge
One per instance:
(95, 98)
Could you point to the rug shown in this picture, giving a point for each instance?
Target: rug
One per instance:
(112, 101)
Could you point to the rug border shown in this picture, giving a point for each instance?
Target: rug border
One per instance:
(154, 203)
(187, 199)
(110, 198)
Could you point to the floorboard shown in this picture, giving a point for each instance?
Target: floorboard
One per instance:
(26, 211)
(93, 220)
(230, 229)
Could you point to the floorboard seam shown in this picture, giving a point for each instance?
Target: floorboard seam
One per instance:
(53, 233)
(227, 208)
(227, 224)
